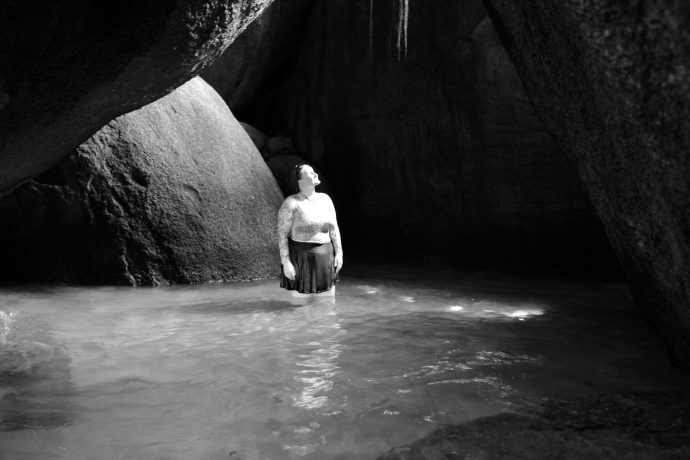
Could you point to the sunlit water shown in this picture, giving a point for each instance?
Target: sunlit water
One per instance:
(246, 371)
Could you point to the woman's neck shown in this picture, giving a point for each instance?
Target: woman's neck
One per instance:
(307, 191)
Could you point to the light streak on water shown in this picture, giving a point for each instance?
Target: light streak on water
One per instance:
(246, 371)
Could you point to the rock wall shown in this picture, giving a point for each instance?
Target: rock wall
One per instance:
(611, 81)
(428, 139)
(70, 67)
(173, 192)
(268, 44)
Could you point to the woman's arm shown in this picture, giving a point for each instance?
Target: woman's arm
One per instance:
(334, 232)
(286, 217)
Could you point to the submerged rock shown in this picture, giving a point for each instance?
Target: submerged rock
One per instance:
(635, 425)
(611, 82)
(70, 67)
(175, 192)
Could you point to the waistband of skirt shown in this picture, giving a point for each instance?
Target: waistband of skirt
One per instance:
(307, 246)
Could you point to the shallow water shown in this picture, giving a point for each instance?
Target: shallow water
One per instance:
(246, 371)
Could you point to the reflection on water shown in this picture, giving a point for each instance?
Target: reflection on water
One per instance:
(246, 371)
(35, 375)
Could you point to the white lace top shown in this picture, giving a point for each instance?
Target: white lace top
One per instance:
(308, 220)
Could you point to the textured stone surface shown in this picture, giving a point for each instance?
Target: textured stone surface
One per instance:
(437, 141)
(632, 426)
(173, 192)
(70, 67)
(611, 80)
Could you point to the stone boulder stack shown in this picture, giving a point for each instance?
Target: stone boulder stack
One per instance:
(69, 67)
(175, 192)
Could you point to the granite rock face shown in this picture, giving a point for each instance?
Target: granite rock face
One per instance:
(423, 127)
(70, 67)
(611, 80)
(175, 192)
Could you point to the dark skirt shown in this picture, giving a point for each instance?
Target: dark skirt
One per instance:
(314, 268)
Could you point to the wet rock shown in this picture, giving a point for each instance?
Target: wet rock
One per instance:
(70, 67)
(640, 426)
(424, 127)
(610, 80)
(172, 192)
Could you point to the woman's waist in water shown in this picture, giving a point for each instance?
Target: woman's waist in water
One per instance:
(319, 238)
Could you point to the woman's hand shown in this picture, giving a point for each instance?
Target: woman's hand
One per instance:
(289, 270)
(338, 262)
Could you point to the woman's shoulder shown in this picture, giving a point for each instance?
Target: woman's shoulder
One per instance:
(323, 196)
(291, 201)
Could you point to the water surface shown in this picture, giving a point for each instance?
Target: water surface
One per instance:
(246, 371)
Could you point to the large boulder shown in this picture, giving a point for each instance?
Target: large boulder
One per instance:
(69, 67)
(611, 81)
(429, 139)
(173, 192)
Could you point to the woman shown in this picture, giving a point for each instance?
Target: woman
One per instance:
(308, 237)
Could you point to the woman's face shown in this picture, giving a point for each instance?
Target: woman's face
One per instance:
(308, 176)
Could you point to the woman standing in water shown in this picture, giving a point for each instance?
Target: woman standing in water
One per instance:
(308, 237)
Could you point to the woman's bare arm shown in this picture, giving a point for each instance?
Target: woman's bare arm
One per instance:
(334, 232)
(285, 219)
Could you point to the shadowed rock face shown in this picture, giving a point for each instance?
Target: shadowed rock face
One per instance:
(434, 148)
(630, 425)
(265, 48)
(70, 67)
(173, 192)
(611, 81)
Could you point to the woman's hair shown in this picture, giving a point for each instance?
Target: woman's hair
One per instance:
(298, 174)
(298, 170)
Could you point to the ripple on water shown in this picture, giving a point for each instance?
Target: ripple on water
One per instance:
(247, 371)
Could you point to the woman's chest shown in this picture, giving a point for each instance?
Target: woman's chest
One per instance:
(311, 212)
